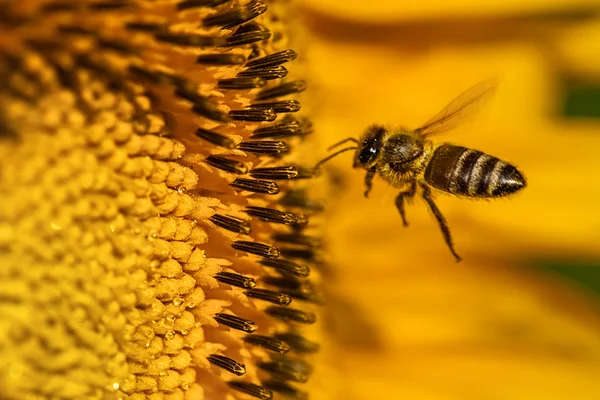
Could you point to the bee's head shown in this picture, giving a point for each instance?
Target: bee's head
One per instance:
(369, 147)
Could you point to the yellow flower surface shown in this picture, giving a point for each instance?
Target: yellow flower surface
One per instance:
(156, 238)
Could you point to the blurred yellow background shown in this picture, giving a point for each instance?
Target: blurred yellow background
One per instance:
(518, 318)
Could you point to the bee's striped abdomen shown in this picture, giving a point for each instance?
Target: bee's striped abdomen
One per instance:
(467, 172)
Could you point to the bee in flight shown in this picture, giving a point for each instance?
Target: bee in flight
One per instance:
(412, 163)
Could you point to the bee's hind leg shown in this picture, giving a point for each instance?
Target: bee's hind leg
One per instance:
(369, 180)
(440, 219)
(409, 193)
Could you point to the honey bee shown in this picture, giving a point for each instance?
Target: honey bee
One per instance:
(409, 161)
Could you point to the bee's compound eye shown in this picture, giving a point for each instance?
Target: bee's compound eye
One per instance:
(367, 154)
(370, 146)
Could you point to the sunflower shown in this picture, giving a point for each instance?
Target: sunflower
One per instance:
(157, 233)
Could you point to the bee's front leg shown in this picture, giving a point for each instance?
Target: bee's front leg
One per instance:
(369, 180)
(408, 193)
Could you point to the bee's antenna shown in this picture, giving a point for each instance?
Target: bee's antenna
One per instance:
(350, 139)
(323, 161)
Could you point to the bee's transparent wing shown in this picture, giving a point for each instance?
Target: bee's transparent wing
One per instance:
(464, 104)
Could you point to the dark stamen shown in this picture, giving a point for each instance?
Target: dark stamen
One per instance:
(109, 5)
(283, 106)
(284, 89)
(190, 40)
(184, 5)
(298, 289)
(251, 389)
(241, 83)
(291, 315)
(281, 299)
(221, 59)
(251, 115)
(287, 268)
(272, 60)
(235, 322)
(230, 223)
(285, 283)
(275, 173)
(247, 36)
(209, 110)
(255, 185)
(227, 364)
(298, 343)
(235, 17)
(269, 343)
(307, 254)
(259, 249)
(264, 147)
(286, 129)
(117, 46)
(276, 216)
(298, 198)
(268, 73)
(287, 369)
(227, 164)
(215, 138)
(144, 26)
(237, 280)
(154, 77)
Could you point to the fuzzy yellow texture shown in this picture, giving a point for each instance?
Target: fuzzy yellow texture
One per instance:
(107, 286)
(486, 328)
(83, 200)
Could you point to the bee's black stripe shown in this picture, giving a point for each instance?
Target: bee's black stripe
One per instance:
(442, 165)
(463, 172)
(485, 177)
